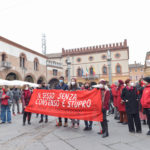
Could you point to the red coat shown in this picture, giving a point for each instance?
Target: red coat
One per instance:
(106, 99)
(145, 100)
(121, 107)
(26, 95)
(4, 100)
(114, 94)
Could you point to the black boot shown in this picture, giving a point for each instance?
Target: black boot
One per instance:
(41, 121)
(105, 135)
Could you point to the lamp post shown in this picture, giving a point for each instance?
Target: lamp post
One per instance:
(69, 68)
(109, 66)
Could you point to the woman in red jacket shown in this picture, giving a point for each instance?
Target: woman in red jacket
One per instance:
(145, 100)
(26, 95)
(114, 94)
(5, 106)
(121, 104)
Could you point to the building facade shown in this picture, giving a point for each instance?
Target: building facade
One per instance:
(20, 63)
(147, 65)
(90, 63)
(136, 71)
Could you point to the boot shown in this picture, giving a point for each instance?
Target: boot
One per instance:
(105, 135)
(41, 121)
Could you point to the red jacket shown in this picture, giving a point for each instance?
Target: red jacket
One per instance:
(26, 95)
(121, 107)
(4, 100)
(145, 100)
(106, 99)
(114, 94)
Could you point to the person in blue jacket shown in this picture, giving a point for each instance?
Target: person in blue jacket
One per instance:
(62, 86)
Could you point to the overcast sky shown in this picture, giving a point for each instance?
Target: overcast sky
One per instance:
(77, 23)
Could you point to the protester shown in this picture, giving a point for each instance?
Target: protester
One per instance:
(114, 94)
(88, 124)
(105, 106)
(140, 87)
(62, 86)
(43, 86)
(16, 98)
(5, 105)
(121, 103)
(145, 101)
(74, 87)
(25, 97)
(130, 97)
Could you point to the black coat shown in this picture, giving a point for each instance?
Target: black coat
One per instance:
(132, 106)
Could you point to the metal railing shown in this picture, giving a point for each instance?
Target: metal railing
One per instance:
(5, 64)
(53, 63)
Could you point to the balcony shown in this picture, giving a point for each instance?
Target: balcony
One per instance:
(91, 77)
(5, 65)
(53, 64)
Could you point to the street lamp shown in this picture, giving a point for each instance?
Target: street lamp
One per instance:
(69, 68)
(109, 66)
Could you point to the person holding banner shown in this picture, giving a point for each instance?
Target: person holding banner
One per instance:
(74, 87)
(25, 97)
(43, 86)
(105, 106)
(62, 86)
(88, 124)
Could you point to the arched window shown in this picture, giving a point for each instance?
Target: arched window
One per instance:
(104, 70)
(36, 64)
(91, 71)
(22, 60)
(3, 57)
(118, 68)
(79, 72)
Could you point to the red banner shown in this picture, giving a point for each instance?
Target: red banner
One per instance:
(82, 105)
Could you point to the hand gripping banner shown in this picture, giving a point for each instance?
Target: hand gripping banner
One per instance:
(82, 105)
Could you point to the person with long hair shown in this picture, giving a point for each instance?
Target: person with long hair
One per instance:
(25, 97)
(121, 104)
(130, 97)
(74, 87)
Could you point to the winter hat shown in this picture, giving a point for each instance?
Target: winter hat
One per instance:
(102, 81)
(147, 79)
(120, 82)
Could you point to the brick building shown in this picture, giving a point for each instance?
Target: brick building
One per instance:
(90, 63)
(21, 63)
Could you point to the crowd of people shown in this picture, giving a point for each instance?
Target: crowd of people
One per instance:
(128, 101)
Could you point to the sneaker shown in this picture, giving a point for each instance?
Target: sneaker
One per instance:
(76, 126)
(66, 124)
(14, 114)
(59, 124)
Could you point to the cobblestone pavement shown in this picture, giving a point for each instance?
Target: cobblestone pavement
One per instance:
(48, 137)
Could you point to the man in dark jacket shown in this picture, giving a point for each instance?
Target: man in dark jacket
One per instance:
(62, 86)
(16, 97)
(43, 86)
(130, 97)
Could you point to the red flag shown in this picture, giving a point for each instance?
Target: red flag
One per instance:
(82, 105)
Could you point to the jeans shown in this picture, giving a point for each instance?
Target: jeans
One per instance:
(13, 106)
(4, 109)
